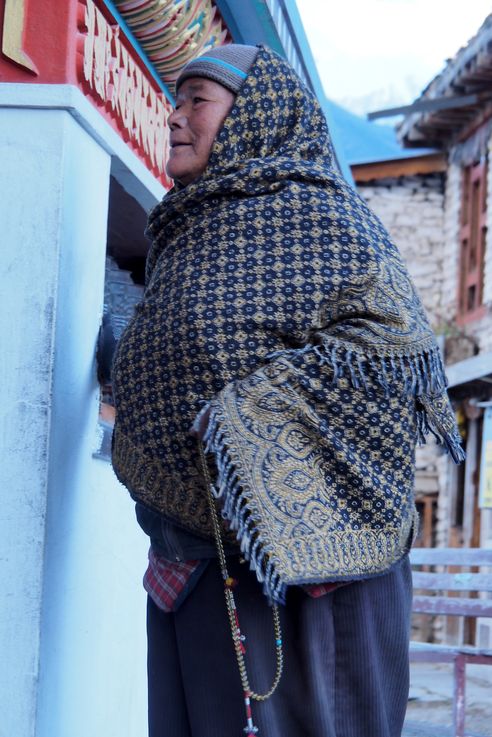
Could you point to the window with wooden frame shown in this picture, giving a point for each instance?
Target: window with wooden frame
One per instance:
(473, 232)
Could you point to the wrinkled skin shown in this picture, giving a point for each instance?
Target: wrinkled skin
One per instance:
(201, 107)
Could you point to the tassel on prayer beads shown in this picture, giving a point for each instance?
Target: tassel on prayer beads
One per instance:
(250, 728)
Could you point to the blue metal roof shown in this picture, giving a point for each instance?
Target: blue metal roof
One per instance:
(364, 142)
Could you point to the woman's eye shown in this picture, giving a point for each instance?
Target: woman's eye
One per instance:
(198, 99)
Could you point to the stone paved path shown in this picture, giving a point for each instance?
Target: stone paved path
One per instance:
(429, 712)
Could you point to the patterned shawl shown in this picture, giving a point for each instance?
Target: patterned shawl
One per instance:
(275, 295)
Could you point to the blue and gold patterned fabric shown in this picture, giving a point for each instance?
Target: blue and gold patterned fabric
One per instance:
(275, 297)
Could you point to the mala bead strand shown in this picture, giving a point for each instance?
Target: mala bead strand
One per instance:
(237, 637)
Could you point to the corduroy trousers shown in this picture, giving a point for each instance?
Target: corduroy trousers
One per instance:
(345, 660)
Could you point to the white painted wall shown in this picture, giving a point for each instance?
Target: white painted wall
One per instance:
(32, 158)
(72, 609)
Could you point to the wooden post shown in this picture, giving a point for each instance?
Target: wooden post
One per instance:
(470, 483)
(459, 696)
(452, 492)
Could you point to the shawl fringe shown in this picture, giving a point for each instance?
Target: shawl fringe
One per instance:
(239, 511)
(421, 374)
(450, 440)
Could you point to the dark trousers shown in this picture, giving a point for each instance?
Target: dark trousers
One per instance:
(345, 669)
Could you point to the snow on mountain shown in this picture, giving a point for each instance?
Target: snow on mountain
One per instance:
(392, 95)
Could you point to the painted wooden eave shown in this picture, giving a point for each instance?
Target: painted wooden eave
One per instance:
(468, 73)
(430, 164)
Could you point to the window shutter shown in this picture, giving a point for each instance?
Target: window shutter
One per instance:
(473, 232)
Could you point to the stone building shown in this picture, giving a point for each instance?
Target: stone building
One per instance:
(435, 197)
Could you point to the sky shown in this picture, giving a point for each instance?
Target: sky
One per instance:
(374, 54)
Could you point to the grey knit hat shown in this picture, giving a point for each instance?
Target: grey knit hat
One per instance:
(228, 65)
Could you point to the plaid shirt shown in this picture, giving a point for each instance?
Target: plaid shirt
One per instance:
(168, 582)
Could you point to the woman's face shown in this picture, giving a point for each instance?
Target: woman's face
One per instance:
(201, 107)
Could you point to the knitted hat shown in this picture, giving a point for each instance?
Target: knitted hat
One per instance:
(228, 65)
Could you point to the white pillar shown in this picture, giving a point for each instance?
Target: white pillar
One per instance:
(72, 609)
(92, 664)
(33, 156)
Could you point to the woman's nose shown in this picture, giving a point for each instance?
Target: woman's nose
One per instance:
(177, 119)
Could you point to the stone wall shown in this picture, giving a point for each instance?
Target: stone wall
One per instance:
(411, 208)
(422, 213)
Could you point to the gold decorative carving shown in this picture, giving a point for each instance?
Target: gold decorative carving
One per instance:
(13, 31)
(172, 32)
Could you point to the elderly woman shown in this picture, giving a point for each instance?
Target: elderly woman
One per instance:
(280, 322)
